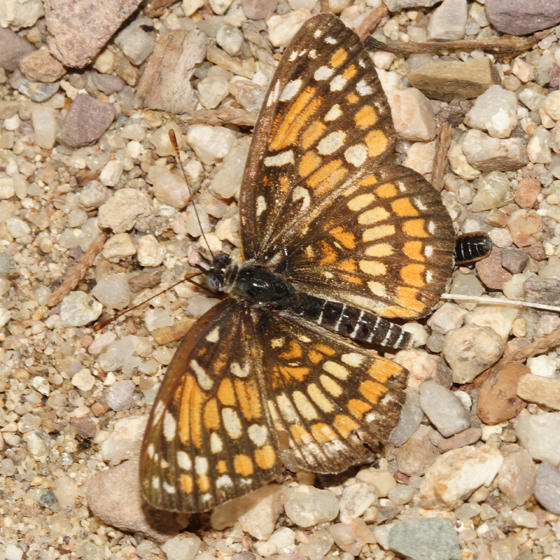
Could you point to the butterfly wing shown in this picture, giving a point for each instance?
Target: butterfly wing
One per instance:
(208, 437)
(323, 118)
(326, 396)
(322, 203)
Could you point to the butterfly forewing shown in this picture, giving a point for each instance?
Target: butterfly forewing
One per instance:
(208, 438)
(324, 122)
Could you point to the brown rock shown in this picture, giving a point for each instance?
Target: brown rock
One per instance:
(497, 399)
(80, 28)
(466, 437)
(541, 390)
(516, 478)
(115, 497)
(41, 66)
(491, 271)
(527, 192)
(520, 17)
(542, 290)
(418, 453)
(447, 80)
(525, 227)
(86, 120)
(165, 83)
(12, 48)
(514, 260)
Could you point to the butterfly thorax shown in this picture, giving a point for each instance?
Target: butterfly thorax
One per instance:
(251, 283)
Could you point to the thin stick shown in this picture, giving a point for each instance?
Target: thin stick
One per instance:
(504, 46)
(442, 147)
(502, 301)
(371, 21)
(79, 271)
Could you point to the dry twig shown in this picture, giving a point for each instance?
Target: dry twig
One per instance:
(371, 21)
(79, 270)
(442, 147)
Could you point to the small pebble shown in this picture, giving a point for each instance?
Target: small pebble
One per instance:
(210, 143)
(119, 396)
(355, 500)
(547, 487)
(182, 547)
(307, 506)
(416, 455)
(79, 309)
(516, 478)
(539, 434)
(122, 210)
(541, 390)
(83, 380)
(425, 539)
(113, 291)
(125, 439)
(444, 410)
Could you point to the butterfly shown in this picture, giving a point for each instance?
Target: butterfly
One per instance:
(337, 241)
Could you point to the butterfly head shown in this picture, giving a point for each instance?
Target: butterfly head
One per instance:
(217, 271)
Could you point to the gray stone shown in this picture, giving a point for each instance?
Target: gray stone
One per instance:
(425, 539)
(547, 487)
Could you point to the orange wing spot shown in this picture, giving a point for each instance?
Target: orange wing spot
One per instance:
(285, 184)
(249, 400)
(413, 275)
(352, 98)
(243, 465)
(225, 392)
(349, 265)
(404, 208)
(378, 232)
(349, 72)
(372, 390)
(345, 425)
(299, 433)
(203, 483)
(344, 237)
(186, 482)
(408, 298)
(309, 162)
(312, 133)
(376, 142)
(413, 250)
(297, 373)
(358, 407)
(365, 117)
(211, 415)
(351, 279)
(314, 357)
(326, 350)
(298, 115)
(387, 190)
(323, 433)
(327, 176)
(372, 216)
(265, 457)
(184, 421)
(293, 352)
(375, 268)
(328, 254)
(379, 250)
(368, 181)
(338, 58)
(415, 228)
(382, 370)
(221, 466)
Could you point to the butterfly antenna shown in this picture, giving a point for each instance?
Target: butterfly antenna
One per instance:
(104, 321)
(173, 139)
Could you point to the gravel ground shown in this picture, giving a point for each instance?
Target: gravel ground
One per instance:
(94, 216)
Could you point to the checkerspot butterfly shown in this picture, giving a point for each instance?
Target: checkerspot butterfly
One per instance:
(337, 240)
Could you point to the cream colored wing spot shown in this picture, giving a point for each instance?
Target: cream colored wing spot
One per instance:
(231, 422)
(278, 160)
(373, 267)
(333, 113)
(353, 359)
(291, 89)
(379, 250)
(216, 444)
(258, 434)
(304, 406)
(323, 73)
(319, 398)
(356, 155)
(336, 369)
(240, 371)
(286, 408)
(331, 143)
(338, 83)
(203, 379)
(301, 193)
(331, 386)
(330, 40)
(372, 216)
(261, 205)
(169, 426)
(363, 88)
(213, 335)
(378, 232)
(360, 202)
(184, 461)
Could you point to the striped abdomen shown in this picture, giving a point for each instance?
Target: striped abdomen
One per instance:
(350, 322)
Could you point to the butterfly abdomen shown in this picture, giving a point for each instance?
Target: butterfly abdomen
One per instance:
(350, 322)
